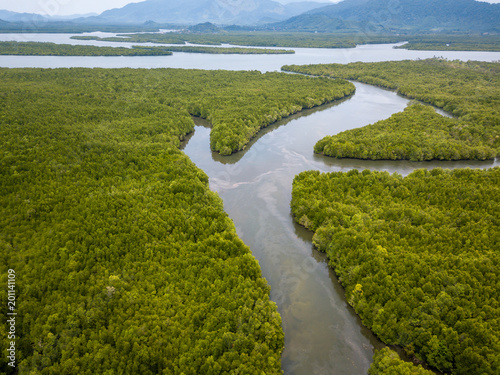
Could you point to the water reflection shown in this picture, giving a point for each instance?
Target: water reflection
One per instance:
(323, 335)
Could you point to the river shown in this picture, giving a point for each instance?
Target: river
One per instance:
(323, 335)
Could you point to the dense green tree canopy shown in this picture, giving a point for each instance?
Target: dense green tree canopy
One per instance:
(418, 133)
(468, 90)
(387, 362)
(238, 104)
(125, 260)
(453, 43)
(419, 257)
(436, 42)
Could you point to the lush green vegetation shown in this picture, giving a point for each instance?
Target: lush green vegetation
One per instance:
(387, 362)
(245, 103)
(43, 26)
(258, 38)
(53, 49)
(227, 50)
(453, 43)
(450, 46)
(418, 257)
(435, 42)
(416, 134)
(238, 104)
(469, 90)
(401, 17)
(125, 260)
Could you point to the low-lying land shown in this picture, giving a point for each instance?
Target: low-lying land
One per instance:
(468, 90)
(437, 42)
(259, 38)
(386, 362)
(229, 50)
(124, 259)
(418, 257)
(418, 133)
(52, 49)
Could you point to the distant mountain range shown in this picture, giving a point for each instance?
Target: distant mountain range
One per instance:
(222, 12)
(399, 16)
(386, 16)
(8, 16)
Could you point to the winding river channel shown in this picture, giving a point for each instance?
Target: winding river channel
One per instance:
(323, 335)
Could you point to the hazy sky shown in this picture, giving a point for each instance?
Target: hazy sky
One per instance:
(66, 7)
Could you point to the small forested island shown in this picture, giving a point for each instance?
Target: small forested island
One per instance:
(52, 49)
(470, 91)
(124, 258)
(418, 256)
(259, 38)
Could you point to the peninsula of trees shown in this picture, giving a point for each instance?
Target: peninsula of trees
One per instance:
(470, 91)
(453, 43)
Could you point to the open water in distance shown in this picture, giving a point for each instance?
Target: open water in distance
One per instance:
(264, 63)
(322, 333)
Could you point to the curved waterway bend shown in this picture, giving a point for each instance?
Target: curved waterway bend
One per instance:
(323, 335)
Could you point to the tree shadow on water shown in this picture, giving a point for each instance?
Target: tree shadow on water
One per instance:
(237, 156)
